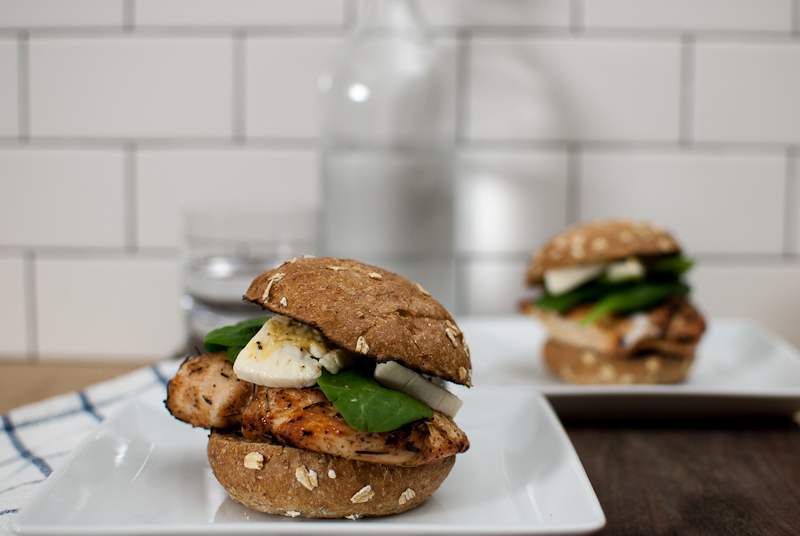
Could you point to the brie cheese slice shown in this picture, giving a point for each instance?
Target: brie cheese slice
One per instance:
(287, 353)
(562, 280)
(395, 376)
(631, 268)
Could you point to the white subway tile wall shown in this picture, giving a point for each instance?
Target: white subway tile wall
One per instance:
(765, 15)
(62, 198)
(765, 293)
(284, 77)
(747, 92)
(704, 198)
(494, 286)
(282, 85)
(793, 207)
(13, 309)
(239, 13)
(9, 84)
(497, 13)
(117, 115)
(26, 14)
(131, 87)
(574, 88)
(108, 306)
(172, 182)
(510, 202)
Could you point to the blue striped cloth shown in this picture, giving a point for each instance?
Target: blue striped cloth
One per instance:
(36, 438)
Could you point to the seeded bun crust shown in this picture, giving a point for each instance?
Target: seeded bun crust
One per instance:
(598, 242)
(272, 481)
(368, 310)
(582, 366)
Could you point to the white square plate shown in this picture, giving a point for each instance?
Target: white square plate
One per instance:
(740, 369)
(142, 472)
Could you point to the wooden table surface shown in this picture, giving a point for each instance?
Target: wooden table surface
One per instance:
(730, 477)
(23, 382)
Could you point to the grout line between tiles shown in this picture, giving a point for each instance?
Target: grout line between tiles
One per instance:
(311, 144)
(461, 304)
(576, 16)
(462, 256)
(130, 201)
(739, 260)
(23, 87)
(573, 184)
(575, 27)
(94, 253)
(463, 55)
(796, 17)
(31, 308)
(239, 87)
(467, 257)
(791, 199)
(721, 148)
(165, 143)
(716, 259)
(687, 90)
(126, 29)
(129, 15)
(463, 58)
(350, 15)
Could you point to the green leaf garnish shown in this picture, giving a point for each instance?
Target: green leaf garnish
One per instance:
(366, 405)
(592, 291)
(640, 297)
(231, 339)
(675, 265)
(662, 279)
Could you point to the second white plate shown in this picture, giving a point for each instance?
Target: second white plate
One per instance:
(740, 369)
(143, 472)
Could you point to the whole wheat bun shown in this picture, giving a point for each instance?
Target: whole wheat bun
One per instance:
(270, 477)
(599, 242)
(368, 310)
(584, 366)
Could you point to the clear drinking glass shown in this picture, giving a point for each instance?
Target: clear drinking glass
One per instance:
(388, 153)
(223, 251)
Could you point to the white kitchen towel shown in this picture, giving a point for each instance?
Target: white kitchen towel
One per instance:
(36, 438)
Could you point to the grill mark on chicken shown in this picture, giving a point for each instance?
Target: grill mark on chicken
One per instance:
(304, 418)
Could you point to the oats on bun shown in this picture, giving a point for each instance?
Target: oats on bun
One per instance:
(615, 304)
(333, 407)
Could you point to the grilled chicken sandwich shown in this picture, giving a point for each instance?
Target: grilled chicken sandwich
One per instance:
(615, 304)
(333, 407)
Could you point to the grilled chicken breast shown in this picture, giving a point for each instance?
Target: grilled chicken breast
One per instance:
(305, 419)
(206, 393)
(673, 327)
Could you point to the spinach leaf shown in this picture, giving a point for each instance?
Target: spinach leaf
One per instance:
(675, 265)
(661, 274)
(588, 292)
(232, 339)
(367, 405)
(640, 297)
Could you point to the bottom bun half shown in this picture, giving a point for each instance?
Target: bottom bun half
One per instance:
(277, 479)
(583, 366)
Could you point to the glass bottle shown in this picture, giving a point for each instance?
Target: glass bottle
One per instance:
(388, 150)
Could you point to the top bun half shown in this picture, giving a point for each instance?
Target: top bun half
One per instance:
(600, 242)
(367, 310)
